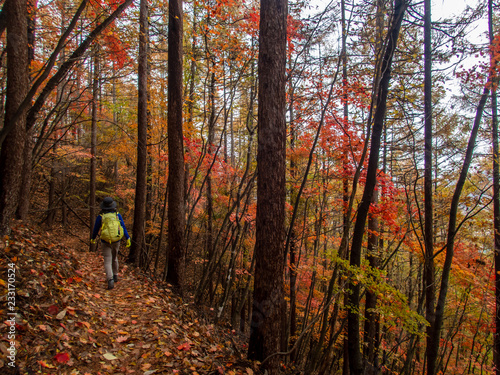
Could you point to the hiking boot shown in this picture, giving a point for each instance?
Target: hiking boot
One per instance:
(115, 278)
(111, 284)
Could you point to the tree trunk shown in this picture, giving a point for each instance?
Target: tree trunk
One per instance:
(433, 343)
(346, 217)
(355, 358)
(428, 278)
(210, 250)
(12, 151)
(293, 261)
(51, 204)
(176, 172)
(268, 296)
(93, 141)
(24, 194)
(142, 135)
(496, 202)
(372, 318)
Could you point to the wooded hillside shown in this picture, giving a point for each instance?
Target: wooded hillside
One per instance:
(321, 177)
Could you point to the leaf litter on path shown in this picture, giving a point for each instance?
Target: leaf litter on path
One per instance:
(67, 322)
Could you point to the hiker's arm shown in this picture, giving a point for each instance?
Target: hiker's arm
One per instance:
(125, 233)
(97, 226)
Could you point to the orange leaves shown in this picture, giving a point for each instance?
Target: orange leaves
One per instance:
(184, 346)
(46, 365)
(117, 49)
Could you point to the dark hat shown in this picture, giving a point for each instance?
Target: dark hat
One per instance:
(108, 204)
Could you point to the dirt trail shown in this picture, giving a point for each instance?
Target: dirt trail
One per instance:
(69, 323)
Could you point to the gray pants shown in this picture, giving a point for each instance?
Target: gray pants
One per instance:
(110, 255)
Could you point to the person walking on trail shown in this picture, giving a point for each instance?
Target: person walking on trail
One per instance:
(113, 229)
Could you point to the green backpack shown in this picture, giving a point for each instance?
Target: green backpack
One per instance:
(111, 228)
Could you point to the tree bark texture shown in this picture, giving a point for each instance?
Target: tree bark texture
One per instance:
(142, 138)
(11, 154)
(24, 193)
(268, 296)
(176, 208)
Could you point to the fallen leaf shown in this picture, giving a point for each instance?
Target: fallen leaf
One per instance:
(86, 324)
(61, 315)
(53, 310)
(64, 337)
(46, 365)
(184, 346)
(61, 357)
(109, 356)
(70, 310)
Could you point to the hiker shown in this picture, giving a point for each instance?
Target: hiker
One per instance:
(112, 228)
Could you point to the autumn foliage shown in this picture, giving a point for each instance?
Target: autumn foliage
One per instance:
(67, 321)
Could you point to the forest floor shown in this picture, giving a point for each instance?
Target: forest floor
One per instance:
(67, 322)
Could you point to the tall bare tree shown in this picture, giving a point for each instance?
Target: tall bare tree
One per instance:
(496, 200)
(142, 138)
(24, 192)
(176, 172)
(268, 296)
(435, 330)
(355, 357)
(428, 279)
(93, 139)
(11, 154)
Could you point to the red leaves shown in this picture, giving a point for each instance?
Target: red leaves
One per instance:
(53, 310)
(184, 346)
(61, 357)
(137, 322)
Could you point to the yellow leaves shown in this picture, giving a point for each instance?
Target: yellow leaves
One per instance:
(45, 364)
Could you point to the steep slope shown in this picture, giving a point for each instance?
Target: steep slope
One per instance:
(67, 322)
